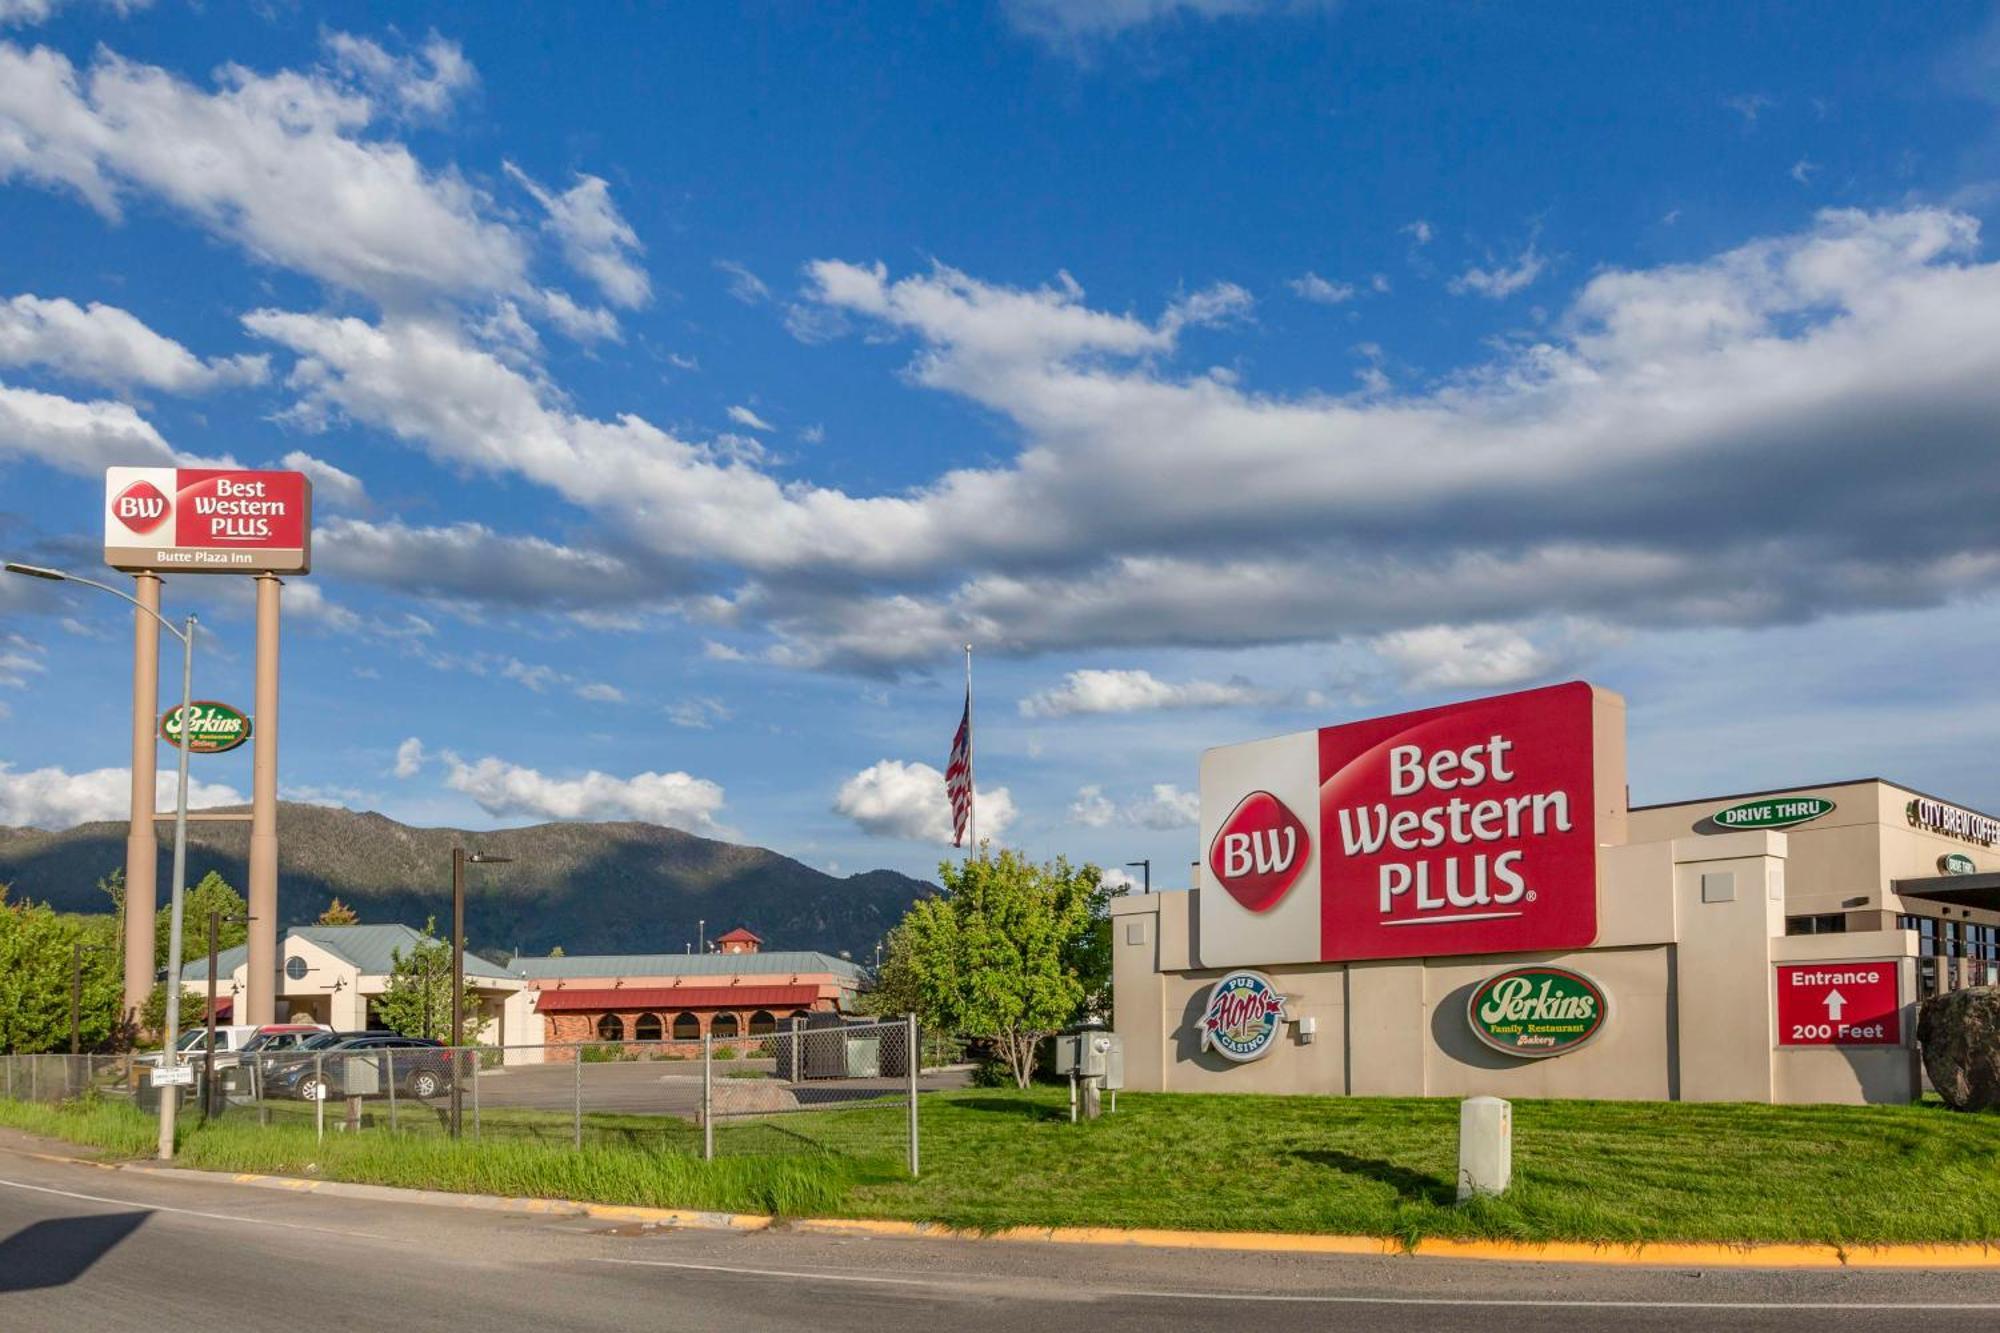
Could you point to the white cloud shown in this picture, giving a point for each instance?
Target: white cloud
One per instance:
(82, 438)
(748, 419)
(597, 692)
(29, 12)
(1419, 232)
(1132, 691)
(1064, 23)
(281, 163)
(585, 324)
(1502, 280)
(1464, 656)
(1164, 807)
(424, 86)
(502, 789)
(744, 285)
(1750, 106)
(1118, 879)
(333, 488)
(1312, 287)
(1803, 171)
(537, 677)
(1621, 468)
(892, 799)
(596, 239)
(52, 798)
(409, 758)
(698, 714)
(106, 345)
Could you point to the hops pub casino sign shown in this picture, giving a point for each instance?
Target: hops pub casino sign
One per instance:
(1466, 829)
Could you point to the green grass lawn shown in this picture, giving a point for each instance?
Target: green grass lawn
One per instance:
(1600, 1171)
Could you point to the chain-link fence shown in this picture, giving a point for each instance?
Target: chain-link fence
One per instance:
(844, 1087)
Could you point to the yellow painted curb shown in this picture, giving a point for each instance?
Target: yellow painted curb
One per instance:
(1702, 1254)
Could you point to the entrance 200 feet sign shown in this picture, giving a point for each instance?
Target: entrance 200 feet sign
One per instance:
(207, 520)
(1466, 829)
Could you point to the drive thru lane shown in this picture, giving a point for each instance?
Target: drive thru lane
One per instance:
(87, 1247)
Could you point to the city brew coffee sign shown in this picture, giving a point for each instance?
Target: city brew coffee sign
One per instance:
(213, 727)
(207, 520)
(1470, 828)
(1840, 1004)
(1243, 1017)
(1537, 1011)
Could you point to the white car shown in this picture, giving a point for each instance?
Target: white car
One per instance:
(193, 1044)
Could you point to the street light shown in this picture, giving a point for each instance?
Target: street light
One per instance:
(1147, 871)
(169, 1057)
(459, 859)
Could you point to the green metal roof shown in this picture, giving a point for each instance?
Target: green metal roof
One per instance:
(370, 949)
(683, 965)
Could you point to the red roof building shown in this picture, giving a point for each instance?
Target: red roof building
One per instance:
(739, 940)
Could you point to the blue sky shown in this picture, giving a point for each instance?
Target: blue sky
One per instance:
(683, 384)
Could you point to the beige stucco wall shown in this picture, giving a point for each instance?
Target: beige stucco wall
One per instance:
(1690, 984)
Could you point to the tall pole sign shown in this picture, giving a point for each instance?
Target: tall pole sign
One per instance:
(1467, 829)
(160, 520)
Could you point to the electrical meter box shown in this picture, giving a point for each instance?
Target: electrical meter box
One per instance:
(1092, 1053)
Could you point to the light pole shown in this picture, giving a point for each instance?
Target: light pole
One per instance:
(1146, 870)
(701, 936)
(168, 1056)
(459, 859)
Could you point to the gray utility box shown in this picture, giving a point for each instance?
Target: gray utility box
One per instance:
(1094, 1054)
(361, 1076)
(864, 1057)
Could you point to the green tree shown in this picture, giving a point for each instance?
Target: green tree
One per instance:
(1007, 952)
(417, 1000)
(36, 962)
(556, 952)
(153, 1014)
(213, 894)
(338, 913)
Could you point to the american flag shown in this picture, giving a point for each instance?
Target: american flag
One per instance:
(958, 775)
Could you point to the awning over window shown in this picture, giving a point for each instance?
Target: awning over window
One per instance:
(1953, 890)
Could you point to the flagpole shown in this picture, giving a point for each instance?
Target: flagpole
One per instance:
(971, 789)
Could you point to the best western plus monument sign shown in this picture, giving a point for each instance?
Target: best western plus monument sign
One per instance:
(206, 521)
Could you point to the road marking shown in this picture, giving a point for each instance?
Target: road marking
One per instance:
(192, 1212)
(1312, 1299)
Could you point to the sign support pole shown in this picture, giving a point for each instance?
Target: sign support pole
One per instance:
(142, 846)
(260, 992)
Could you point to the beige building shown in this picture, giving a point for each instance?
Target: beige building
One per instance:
(334, 974)
(1701, 927)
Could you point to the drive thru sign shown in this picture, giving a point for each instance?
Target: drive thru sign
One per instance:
(1839, 1004)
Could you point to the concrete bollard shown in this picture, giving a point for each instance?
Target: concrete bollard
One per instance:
(1485, 1146)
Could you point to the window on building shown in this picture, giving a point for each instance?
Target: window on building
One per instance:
(724, 1025)
(1828, 923)
(762, 1024)
(649, 1028)
(687, 1027)
(611, 1028)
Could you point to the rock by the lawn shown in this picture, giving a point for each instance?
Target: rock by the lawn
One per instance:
(1960, 1035)
(749, 1096)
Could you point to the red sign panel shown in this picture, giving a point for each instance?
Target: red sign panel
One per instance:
(1840, 1004)
(207, 520)
(1464, 829)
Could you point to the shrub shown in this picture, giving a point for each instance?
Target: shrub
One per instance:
(725, 1052)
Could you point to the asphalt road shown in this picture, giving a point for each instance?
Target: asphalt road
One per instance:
(85, 1247)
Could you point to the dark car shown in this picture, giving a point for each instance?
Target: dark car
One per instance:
(318, 1068)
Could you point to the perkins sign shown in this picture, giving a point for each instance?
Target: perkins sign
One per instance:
(1243, 1016)
(213, 727)
(1537, 1011)
(1465, 829)
(207, 520)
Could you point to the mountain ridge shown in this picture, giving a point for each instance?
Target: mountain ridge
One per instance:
(615, 887)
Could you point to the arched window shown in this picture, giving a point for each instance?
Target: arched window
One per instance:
(723, 1025)
(611, 1028)
(648, 1028)
(687, 1027)
(762, 1024)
